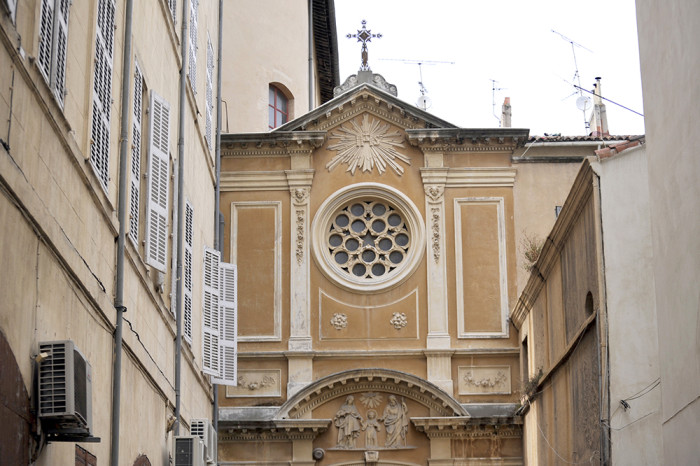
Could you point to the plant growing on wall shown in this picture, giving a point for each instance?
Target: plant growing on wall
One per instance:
(531, 248)
(529, 386)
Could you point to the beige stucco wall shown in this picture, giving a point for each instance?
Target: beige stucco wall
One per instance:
(631, 307)
(58, 226)
(263, 46)
(669, 65)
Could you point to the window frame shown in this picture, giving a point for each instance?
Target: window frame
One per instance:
(273, 107)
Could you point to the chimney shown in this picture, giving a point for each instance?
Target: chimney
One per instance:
(505, 113)
(599, 117)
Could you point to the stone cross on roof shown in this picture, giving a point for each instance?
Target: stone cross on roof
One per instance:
(364, 35)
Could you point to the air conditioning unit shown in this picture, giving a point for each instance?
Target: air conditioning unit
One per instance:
(65, 389)
(204, 429)
(189, 451)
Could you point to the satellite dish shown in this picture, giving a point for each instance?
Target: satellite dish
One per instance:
(424, 102)
(583, 103)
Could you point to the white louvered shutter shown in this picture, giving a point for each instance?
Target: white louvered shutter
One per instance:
(158, 183)
(135, 172)
(210, 94)
(193, 45)
(210, 313)
(11, 9)
(102, 91)
(46, 38)
(228, 329)
(173, 9)
(189, 237)
(58, 84)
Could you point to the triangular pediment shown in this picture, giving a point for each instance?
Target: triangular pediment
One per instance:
(365, 98)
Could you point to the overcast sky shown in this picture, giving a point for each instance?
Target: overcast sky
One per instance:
(510, 41)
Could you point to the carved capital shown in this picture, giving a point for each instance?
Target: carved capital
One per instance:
(300, 195)
(434, 192)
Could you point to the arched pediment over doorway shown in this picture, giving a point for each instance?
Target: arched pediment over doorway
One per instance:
(371, 380)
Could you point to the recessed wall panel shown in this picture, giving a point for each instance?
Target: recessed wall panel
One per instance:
(256, 249)
(480, 267)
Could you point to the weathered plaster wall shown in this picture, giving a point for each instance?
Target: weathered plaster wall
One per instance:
(670, 65)
(631, 304)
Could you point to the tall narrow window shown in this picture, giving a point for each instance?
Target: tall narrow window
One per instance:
(193, 45)
(158, 183)
(278, 108)
(210, 93)
(135, 178)
(53, 40)
(102, 91)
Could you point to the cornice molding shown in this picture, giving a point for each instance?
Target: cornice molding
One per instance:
(467, 139)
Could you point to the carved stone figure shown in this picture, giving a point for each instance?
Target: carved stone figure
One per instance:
(349, 422)
(371, 426)
(396, 422)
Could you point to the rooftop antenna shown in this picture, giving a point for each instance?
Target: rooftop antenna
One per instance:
(583, 103)
(423, 102)
(493, 99)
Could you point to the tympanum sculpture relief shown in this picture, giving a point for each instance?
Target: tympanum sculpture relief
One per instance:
(350, 423)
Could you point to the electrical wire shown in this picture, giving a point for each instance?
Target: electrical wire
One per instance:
(645, 390)
(590, 460)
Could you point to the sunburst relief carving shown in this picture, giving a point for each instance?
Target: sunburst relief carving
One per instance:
(367, 145)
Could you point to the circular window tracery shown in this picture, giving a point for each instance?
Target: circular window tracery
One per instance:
(367, 237)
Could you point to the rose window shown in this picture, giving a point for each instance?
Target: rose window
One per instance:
(368, 239)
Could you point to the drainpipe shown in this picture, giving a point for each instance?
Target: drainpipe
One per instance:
(122, 209)
(218, 243)
(311, 55)
(184, 43)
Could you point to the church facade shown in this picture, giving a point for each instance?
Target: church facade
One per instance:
(375, 246)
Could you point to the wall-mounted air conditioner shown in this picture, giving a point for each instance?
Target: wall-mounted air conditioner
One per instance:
(189, 451)
(65, 389)
(204, 429)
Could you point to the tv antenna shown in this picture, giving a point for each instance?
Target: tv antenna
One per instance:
(424, 102)
(583, 102)
(493, 99)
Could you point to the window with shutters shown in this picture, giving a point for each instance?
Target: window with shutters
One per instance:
(189, 237)
(53, 40)
(219, 316)
(210, 93)
(135, 169)
(210, 312)
(193, 45)
(158, 183)
(102, 92)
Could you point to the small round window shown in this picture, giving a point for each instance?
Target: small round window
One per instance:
(365, 237)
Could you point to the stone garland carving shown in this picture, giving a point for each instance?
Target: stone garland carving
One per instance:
(366, 145)
(300, 236)
(399, 320)
(339, 321)
(487, 382)
(253, 385)
(435, 211)
(350, 422)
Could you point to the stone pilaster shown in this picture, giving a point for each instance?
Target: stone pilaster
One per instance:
(299, 358)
